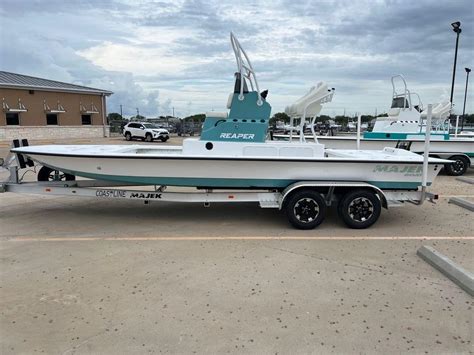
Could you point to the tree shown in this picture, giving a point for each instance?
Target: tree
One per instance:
(137, 118)
(200, 117)
(323, 118)
(342, 120)
(114, 116)
(366, 118)
(279, 116)
(469, 119)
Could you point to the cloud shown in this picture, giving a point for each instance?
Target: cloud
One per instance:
(156, 55)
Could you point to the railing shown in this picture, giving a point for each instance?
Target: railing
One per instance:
(245, 69)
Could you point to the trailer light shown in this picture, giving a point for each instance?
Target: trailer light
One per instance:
(231, 196)
(48, 190)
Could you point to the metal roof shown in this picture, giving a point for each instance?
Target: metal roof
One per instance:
(19, 81)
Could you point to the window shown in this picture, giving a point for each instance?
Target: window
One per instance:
(399, 102)
(51, 119)
(86, 119)
(12, 118)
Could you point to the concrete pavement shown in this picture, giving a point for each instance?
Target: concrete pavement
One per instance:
(85, 276)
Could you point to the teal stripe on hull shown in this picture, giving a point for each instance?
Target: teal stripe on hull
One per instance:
(229, 182)
(398, 136)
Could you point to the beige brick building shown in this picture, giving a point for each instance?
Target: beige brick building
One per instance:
(37, 108)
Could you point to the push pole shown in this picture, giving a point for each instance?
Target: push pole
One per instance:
(468, 70)
(426, 154)
(359, 119)
(457, 124)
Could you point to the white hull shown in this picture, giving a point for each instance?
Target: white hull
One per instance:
(169, 166)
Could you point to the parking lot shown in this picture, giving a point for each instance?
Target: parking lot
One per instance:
(97, 276)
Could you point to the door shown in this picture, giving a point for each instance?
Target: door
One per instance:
(141, 131)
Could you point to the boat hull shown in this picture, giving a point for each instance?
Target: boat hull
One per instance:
(220, 172)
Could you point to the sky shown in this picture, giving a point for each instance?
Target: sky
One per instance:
(160, 55)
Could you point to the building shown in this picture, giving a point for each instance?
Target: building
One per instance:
(37, 108)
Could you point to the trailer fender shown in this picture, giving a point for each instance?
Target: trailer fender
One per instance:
(330, 187)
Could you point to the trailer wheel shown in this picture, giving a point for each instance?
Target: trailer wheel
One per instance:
(458, 167)
(359, 209)
(48, 174)
(305, 209)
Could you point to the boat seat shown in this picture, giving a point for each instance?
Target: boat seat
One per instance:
(310, 103)
(394, 111)
(217, 114)
(440, 110)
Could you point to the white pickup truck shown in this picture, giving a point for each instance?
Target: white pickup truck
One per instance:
(145, 131)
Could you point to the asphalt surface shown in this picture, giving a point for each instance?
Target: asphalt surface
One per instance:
(83, 276)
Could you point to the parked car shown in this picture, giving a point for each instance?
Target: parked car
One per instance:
(145, 131)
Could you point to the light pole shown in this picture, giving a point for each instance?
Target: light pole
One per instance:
(121, 116)
(468, 70)
(456, 28)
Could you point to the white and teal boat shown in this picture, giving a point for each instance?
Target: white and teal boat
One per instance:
(234, 152)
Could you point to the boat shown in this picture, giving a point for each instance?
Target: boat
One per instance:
(233, 151)
(405, 126)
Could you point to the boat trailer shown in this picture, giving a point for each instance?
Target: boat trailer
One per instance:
(358, 203)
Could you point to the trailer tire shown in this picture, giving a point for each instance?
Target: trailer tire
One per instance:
(359, 209)
(458, 167)
(305, 209)
(48, 174)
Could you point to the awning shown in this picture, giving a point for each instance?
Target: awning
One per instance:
(7, 108)
(88, 110)
(58, 109)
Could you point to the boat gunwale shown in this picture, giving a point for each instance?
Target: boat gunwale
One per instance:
(229, 158)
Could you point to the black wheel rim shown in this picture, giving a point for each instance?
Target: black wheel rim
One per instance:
(458, 166)
(361, 209)
(306, 210)
(56, 175)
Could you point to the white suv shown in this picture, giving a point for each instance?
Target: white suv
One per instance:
(145, 131)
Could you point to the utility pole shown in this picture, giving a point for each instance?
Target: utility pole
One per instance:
(457, 29)
(121, 116)
(138, 113)
(173, 111)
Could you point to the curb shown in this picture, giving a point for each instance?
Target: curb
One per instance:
(454, 272)
(462, 203)
(466, 180)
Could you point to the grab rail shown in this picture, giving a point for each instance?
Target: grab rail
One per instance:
(245, 69)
